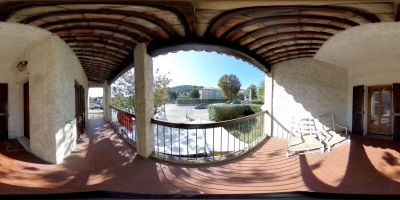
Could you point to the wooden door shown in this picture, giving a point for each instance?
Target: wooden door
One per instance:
(26, 111)
(379, 109)
(396, 111)
(3, 111)
(79, 109)
(358, 110)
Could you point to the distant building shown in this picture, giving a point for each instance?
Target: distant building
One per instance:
(244, 92)
(210, 93)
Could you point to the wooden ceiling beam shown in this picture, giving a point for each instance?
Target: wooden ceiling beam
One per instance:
(84, 42)
(99, 49)
(302, 45)
(287, 57)
(102, 28)
(100, 37)
(397, 12)
(242, 25)
(103, 65)
(223, 17)
(288, 40)
(96, 61)
(294, 50)
(102, 56)
(107, 21)
(286, 25)
(99, 59)
(155, 20)
(99, 53)
(282, 34)
(97, 67)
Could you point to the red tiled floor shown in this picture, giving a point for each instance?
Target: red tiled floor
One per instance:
(103, 161)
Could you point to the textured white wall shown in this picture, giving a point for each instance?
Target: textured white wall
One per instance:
(15, 39)
(302, 87)
(370, 52)
(67, 70)
(42, 101)
(52, 70)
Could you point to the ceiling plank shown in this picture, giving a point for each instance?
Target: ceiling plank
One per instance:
(155, 20)
(282, 34)
(101, 43)
(242, 25)
(102, 28)
(288, 40)
(223, 17)
(107, 21)
(100, 37)
(307, 45)
(286, 25)
(76, 48)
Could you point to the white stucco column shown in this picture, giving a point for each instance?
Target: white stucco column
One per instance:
(144, 101)
(106, 101)
(268, 102)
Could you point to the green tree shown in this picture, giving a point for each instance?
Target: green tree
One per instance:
(172, 94)
(252, 91)
(261, 90)
(230, 85)
(240, 96)
(160, 84)
(123, 91)
(194, 93)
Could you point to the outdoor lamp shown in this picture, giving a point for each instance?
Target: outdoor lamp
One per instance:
(21, 65)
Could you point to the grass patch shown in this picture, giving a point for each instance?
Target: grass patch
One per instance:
(248, 131)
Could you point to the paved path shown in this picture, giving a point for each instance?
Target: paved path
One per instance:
(102, 161)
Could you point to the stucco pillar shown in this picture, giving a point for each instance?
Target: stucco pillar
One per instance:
(268, 103)
(106, 101)
(144, 100)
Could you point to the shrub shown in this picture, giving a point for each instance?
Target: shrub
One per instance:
(228, 112)
(255, 102)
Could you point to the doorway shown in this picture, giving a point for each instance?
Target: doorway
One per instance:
(26, 111)
(79, 109)
(379, 109)
(3, 111)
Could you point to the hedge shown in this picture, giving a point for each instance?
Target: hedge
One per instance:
(227, 112)
(255, 102)
(198, 101)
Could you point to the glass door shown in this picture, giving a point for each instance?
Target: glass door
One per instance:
(379, 112)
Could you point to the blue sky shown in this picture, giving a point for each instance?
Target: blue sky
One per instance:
(201, 69)
(205, 69)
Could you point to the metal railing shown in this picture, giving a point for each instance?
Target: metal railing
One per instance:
(208, 141)
(124, 122)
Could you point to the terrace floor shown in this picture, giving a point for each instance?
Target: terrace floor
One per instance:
(103, 161)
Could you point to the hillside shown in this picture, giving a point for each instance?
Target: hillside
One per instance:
(185, 88)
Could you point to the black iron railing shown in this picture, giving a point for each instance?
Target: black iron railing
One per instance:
(202, 140)
(124, 122)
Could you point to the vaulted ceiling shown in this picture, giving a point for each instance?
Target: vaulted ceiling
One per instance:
(103, 34)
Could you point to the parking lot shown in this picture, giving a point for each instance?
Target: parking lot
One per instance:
(177, 114)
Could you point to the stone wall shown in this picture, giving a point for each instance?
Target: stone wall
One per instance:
(303, 87)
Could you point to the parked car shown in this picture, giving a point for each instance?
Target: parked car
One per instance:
(201, 106)
(236, 102)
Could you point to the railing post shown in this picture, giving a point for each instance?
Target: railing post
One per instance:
(144, 100)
